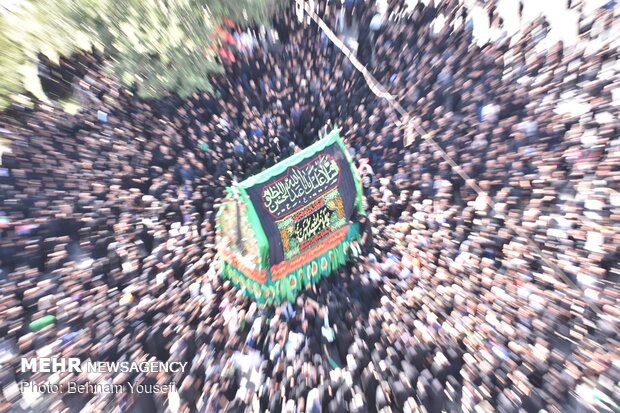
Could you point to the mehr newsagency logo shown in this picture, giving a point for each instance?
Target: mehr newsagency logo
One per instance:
(75, 365)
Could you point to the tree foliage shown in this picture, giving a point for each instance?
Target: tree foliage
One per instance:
(157, 45)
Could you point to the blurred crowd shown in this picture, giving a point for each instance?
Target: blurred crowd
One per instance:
(484, 284)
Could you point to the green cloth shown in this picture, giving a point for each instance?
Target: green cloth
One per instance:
(286, 288)
(42, 322)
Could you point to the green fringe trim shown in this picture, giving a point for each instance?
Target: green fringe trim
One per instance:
(261, 293)
(286, 288)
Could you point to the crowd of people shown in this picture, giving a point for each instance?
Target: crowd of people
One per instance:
(484, 284)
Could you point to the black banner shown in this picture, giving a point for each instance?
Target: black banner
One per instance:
(305, 202)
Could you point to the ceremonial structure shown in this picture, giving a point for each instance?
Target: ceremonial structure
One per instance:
(289, 225)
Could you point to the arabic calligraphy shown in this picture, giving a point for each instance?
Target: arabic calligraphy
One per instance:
(300, 185)
(310, 225)
(314, 224)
